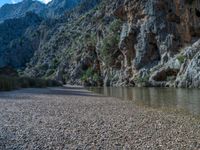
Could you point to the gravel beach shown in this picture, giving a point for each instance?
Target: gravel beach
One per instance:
(74, 118)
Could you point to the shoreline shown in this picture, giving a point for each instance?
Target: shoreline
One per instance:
(75, 118)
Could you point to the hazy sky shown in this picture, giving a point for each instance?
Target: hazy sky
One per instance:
(15, 1)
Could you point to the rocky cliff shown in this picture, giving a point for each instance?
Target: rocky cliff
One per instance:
(154, 33)
(122, 43)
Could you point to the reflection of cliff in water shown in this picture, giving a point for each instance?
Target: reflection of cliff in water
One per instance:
(187, 99)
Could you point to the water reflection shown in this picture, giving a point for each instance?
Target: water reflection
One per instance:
(187, 99)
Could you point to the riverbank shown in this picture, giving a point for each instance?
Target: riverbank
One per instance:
(12, 83)
(74, 118)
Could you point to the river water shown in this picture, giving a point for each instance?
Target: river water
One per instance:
(183, 99)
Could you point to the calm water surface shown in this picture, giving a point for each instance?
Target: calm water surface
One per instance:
(184, 99)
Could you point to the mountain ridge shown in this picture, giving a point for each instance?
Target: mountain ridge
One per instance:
(9, 11)
(53, 9)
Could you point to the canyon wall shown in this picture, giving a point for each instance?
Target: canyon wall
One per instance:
(121, 43)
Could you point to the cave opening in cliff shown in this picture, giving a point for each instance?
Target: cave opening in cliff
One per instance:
(197, 12)
(154, 54)
(166, 74)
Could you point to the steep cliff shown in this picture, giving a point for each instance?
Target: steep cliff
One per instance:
(157, 31)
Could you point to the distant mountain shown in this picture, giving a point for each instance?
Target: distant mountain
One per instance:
(18, 40)
(9, 11)
(54, 9)
(27, 32)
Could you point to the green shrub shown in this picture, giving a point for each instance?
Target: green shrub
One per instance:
(91, 76)
(91, 39)
(181, 58)
(7, 84)
(115, 26)
(96, 77)
(142, 80)
(11, 83)
(109, 45)
(24, 82)
(189, 2)
(87, 74)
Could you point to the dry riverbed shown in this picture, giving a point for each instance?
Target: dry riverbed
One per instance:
(73, 118)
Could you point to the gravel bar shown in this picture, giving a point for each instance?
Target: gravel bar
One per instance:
(74, 118)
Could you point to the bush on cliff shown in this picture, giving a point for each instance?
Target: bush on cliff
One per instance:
(109, 46)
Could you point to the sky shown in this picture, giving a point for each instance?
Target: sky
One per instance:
(2, 2)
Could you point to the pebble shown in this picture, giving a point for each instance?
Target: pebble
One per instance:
(38, 119)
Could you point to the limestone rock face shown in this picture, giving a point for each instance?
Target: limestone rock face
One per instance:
(191, 78)
(152, 28)
(180, 71)
(153, 34)
(189, 75)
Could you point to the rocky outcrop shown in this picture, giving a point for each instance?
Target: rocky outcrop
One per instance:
(180, 71)
(189, 75)
(157, 27)
(153, 34)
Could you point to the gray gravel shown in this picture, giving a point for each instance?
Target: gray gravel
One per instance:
(73, 118)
